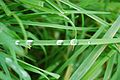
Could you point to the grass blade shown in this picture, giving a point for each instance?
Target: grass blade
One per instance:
(81, 9)
(30, 66)
(98, 64)
(109, 68)
(79, 51)
(85, 66)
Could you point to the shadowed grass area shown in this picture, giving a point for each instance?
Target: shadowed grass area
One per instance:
(59, 39)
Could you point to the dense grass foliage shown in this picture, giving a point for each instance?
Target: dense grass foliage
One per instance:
(59, 39)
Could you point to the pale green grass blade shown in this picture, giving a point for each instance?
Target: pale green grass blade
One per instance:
(71, 12)
(7, 11)
(68, 42)
(57, 26)
(94, 75)
(21, 25)
(18, 69)
(54, 5)
(109, 68)
(12, 48)
(84, 12)
(32, 6)
(3, 76)
(83, 24)
(99, 63)
(46, 72)
(66, 37)
(32, 69)
(65, 12)
(116, 74)
(4, 66)
(89, 61)
(7, 40)
(46, 10)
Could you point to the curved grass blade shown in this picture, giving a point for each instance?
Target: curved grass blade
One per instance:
(38, 69)
(81, 9)
(18, 69)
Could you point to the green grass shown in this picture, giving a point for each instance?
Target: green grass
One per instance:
(59, 39)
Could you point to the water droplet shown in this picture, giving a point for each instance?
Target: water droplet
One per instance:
(24, 73)
(59, 42)
(73, 42)
(89, 42)
(17, 42)
(8, 60)
(29, 43)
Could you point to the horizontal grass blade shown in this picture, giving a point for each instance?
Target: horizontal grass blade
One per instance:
(68, 42)
(56, 26)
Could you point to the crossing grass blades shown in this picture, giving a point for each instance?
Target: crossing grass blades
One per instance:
(59, 39)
